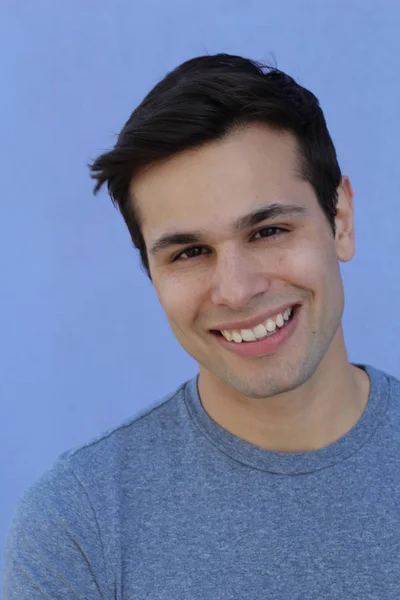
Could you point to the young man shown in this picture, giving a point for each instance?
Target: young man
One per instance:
(274, 473)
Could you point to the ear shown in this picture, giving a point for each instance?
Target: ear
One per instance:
(344, 238)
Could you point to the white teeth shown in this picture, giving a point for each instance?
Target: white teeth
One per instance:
(247, 335)
(271, 325)
(260, 331)
(236, 337)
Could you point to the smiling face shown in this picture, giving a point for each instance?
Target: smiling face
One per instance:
(219, 256)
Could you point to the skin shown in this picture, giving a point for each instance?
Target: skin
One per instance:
(306, 395)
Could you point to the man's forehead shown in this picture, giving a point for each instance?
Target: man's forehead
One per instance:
(181, 193)
(253, 148)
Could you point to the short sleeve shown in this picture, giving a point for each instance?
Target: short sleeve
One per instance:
(53, 549)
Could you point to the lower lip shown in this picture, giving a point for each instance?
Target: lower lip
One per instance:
(267, 345)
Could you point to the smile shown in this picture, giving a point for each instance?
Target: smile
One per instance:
(260, 331)
(275, 335)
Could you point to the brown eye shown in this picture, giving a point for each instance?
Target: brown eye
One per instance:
(193, 252)
(266, 232)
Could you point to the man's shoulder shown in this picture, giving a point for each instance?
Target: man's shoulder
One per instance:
(85, 482)
(385, 396)
(394, 385)
(384, 381)
(98, 465)
(135, 435)
(391, 383)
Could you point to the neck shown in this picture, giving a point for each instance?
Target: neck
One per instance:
(304, 419)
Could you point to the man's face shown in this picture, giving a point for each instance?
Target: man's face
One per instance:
(228, 271)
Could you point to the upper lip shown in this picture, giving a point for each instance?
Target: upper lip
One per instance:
(250, 323)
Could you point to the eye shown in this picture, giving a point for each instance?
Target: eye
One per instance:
(193, 252)
(264, 233)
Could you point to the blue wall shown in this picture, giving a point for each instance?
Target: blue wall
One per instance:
(83, 342)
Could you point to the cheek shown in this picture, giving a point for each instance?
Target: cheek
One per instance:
(312, 266)
(179, 295)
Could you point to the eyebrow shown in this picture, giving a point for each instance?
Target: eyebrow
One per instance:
(178, 238)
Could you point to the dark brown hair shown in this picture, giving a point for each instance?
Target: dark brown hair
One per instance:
(203, 100)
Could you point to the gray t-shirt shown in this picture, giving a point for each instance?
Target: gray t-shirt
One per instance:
(170, 506)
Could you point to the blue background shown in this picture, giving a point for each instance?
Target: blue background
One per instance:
(83, 341)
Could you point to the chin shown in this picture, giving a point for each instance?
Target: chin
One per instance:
(270, 382)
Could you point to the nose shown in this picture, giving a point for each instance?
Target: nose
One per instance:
(237, 280)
